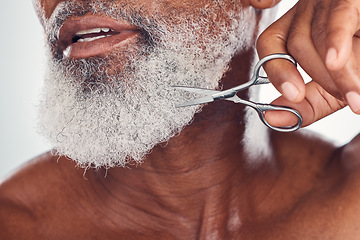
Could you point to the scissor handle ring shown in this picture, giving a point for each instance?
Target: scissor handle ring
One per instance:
(258, 66)
(262, 108)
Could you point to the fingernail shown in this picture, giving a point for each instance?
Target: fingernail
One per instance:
(353, 99)
(331, 57)
(290, 91)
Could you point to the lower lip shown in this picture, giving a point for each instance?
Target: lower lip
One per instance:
(99, 46)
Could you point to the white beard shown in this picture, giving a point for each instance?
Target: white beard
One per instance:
(122, 116)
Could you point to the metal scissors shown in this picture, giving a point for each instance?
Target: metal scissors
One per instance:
(230, 95)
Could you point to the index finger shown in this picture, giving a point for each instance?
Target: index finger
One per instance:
(283, 74)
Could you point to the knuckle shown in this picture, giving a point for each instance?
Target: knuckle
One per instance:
(261, 41)
(269, 44)
(265, 39)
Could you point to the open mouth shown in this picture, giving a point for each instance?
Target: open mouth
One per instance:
(88, 36)
(93, 34)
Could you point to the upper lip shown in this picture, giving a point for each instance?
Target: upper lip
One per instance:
(74, 27)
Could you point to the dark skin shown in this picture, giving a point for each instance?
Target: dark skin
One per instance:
(198, 186)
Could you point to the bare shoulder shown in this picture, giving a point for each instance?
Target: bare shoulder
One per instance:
(32, 179)
(336, 168)
(25, 195)
(343, 194)
(303, 147)
(350, 154)
(330, 175)
(16, 216)
(350, 164)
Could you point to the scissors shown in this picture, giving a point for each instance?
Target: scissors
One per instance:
(230, 95)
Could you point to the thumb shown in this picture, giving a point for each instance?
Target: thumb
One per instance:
(316, 105)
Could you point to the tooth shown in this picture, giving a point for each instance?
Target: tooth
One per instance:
(105, 29)
(67, 51)
(94, 30)
(98, 37)
(90, 39)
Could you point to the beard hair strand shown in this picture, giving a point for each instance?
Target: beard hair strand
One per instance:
(102, 112)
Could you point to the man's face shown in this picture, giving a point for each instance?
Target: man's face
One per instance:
(108, 98)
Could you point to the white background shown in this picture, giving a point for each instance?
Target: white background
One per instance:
(21, 71)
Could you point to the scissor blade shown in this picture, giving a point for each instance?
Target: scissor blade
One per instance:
(206, 99)
(197, 90)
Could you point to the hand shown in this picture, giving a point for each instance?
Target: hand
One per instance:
(322, 35)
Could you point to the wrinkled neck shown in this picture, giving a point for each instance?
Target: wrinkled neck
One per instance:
(208, 155)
